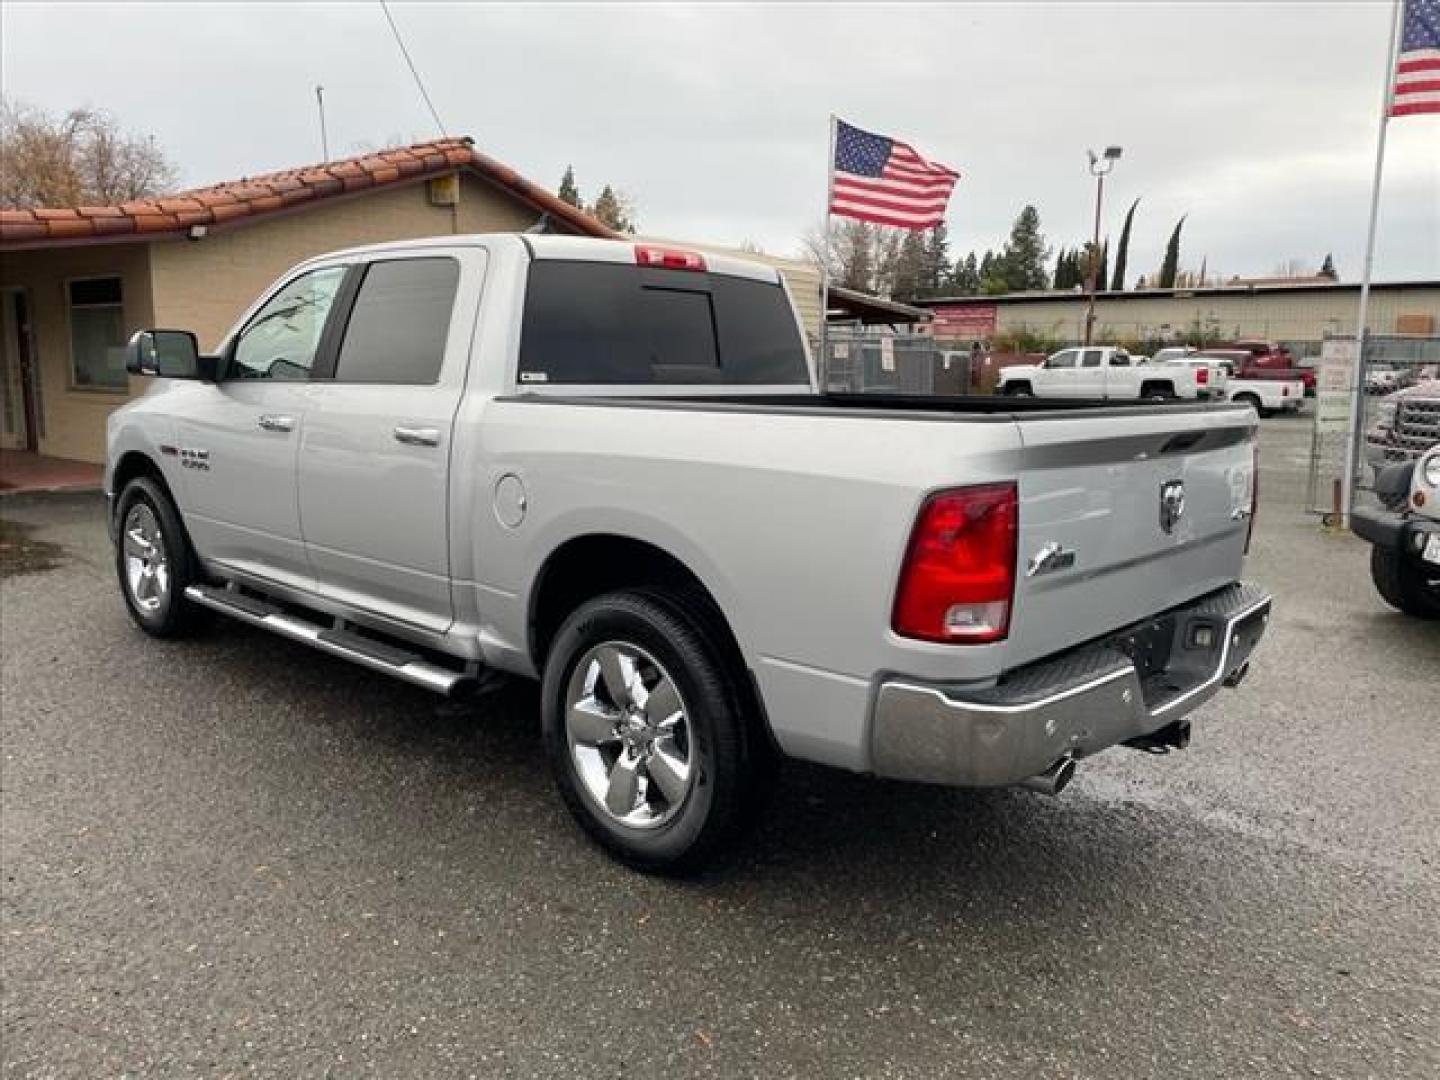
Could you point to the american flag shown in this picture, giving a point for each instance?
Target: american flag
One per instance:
(1417, 69)
(881, 180)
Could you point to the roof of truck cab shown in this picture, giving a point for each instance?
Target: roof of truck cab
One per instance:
(549, 246)
(552, 247)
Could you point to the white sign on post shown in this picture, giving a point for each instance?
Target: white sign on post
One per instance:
(887, 354)
(1334, 384)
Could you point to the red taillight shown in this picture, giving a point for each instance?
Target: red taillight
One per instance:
(668, 258)
(958, 580)
(1202, 375)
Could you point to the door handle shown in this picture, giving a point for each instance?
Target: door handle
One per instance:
(418, 436)
(272, 422)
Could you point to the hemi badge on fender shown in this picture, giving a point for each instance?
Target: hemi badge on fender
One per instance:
(1050, 558)
(170, 450)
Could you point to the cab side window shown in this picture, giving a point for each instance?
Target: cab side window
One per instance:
(399, 324)
(1092, 357)
(1119, 359)
(280, 342)
(1064, 359)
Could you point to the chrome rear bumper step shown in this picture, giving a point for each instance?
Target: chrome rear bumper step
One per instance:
(375, 655)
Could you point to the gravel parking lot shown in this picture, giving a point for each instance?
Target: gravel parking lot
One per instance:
(231, 856)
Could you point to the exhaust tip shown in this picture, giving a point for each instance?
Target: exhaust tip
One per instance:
(1053, 780)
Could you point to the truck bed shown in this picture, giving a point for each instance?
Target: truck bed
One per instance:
(978, 407)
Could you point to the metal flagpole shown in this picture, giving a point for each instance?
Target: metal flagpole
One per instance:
(822, 361)
(1357, 374)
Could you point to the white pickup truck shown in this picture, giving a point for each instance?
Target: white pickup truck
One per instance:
(1267, 396)
(607, 466)
(1104, 374)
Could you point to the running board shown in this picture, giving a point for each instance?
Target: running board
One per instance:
(375, 655)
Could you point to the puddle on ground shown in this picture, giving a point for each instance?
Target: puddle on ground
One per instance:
(21, 553)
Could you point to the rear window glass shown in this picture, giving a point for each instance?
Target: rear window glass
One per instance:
(398, 327)
(607, 323)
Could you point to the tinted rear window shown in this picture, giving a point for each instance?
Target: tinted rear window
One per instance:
(606, 323)
(398, 327)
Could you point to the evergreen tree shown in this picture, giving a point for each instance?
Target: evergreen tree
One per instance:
(611, 209)
(1025, 254)
(1068, 270)
(855, 250)
(1117, 284)
(908, 277)
(937, 262)
(1171, 266)
(1327, 269)
(992, 275)
(887, 260)
(568, 192)
(965, 279)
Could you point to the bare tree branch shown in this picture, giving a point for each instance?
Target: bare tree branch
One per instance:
(81, 158)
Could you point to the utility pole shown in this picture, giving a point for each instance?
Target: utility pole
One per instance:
(324, 139)
(1100, 167)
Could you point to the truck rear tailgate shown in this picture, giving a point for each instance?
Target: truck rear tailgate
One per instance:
(1123, 515)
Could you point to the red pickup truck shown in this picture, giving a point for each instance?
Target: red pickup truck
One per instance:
(1266, 360)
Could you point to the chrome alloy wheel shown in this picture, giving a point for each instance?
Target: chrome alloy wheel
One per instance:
(629, 736)
(147, 566)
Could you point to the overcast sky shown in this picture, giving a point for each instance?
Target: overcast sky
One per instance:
(1256, 119)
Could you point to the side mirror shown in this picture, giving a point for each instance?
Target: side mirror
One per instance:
(169, 354)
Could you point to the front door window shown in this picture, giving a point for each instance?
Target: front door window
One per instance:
(280, 342)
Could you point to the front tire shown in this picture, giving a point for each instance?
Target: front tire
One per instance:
(647, 733)
(1402, 586)
(154, 560)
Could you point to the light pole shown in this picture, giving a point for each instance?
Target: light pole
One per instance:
(1099, 168)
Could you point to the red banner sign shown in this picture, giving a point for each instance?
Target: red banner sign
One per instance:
(973, 322)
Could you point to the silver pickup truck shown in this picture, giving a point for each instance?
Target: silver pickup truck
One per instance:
(607, 466)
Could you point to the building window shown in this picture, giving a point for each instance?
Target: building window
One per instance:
(97, 334)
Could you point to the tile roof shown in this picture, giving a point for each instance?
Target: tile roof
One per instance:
(255, 196)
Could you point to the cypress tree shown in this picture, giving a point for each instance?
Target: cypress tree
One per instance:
(1117, 284)
(1171, 266)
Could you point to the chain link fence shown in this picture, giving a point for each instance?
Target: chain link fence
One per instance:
(860, 362)
(1399, 413)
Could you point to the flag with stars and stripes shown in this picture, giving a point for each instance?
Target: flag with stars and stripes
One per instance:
(886, 182)
(1417, 68)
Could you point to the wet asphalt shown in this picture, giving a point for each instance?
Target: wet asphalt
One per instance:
(231, 857)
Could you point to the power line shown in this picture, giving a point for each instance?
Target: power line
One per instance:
(420, 83)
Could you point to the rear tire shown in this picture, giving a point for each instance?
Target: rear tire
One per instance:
(154, 560)
(1402, 586)
(661, 787)
(1157, 392)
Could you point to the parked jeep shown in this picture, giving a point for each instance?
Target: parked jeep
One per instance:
(1405, 551)
(1403, 425)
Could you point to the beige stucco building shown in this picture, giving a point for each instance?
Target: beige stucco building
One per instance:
(1298, 315)
(76, 283)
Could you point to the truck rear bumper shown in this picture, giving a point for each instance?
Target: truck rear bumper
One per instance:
(1124, 688)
